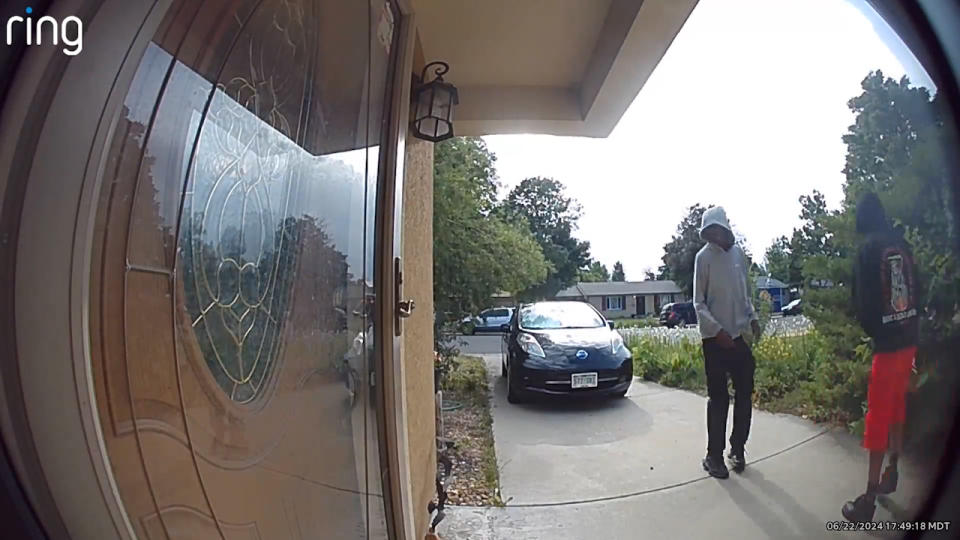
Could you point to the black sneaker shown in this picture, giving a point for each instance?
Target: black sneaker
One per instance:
(888, 482)
(737, 461)
(715, 467)
(860, 509)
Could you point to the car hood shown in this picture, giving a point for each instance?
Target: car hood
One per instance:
(561, 348)
(574, 337)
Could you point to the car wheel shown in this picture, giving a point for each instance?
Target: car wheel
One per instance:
(503, 369)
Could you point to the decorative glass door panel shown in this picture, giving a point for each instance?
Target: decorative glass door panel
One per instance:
(232, 311)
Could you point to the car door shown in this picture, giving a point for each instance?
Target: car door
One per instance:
(485, 318)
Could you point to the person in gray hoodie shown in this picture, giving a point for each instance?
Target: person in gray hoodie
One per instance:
(725, 315)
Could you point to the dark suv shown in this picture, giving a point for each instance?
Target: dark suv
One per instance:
(678, 314)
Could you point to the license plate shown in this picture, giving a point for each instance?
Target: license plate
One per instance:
(583, 380)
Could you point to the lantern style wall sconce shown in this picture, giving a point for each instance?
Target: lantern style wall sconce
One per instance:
(433, 104)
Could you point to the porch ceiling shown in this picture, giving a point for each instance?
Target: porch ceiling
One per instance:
(562, 67)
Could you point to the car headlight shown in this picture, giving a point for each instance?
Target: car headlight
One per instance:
(616, 343)
(530, 345)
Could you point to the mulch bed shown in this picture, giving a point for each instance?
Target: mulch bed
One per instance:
(470, 429)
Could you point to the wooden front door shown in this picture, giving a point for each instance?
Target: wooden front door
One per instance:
(232, 307)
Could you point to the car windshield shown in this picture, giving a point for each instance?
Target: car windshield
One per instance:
(552, 315)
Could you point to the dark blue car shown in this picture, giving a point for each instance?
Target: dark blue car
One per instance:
(678, 314)
(563, 349)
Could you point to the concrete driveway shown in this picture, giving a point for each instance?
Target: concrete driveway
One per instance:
(630, 468)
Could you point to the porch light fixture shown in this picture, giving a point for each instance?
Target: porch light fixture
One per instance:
(433, 104)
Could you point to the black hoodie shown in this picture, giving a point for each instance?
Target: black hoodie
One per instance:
(884, 282)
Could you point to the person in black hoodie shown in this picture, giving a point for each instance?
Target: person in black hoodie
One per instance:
(884, 294)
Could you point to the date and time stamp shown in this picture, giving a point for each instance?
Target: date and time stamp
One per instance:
(898, 526)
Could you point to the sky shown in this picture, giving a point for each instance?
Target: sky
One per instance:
(746, 110)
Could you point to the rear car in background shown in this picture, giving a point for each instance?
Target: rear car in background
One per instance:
(489, 320)
(678, 314)
(563, 348)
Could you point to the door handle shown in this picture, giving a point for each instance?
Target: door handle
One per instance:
(405, 308)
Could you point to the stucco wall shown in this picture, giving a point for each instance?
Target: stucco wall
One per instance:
(418, 329)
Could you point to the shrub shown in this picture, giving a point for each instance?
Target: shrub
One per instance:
(467, 378)
(673, 362)
(794, 374)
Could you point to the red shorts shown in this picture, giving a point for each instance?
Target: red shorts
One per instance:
(886, 397)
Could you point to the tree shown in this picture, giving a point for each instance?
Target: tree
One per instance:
(679, 253)
(470, 159)
(552, 218)
(476, 252)
(594, 273)
(618, 274)
(779, 261)
(649, 275)
(813, 238)
(890, 118)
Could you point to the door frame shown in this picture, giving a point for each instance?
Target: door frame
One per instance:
(61, 456)
(388, 241)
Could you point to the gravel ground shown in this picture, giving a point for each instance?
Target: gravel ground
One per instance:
(779, 326)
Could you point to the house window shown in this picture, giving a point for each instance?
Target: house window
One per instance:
(613, 303)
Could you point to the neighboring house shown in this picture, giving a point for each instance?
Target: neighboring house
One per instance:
(502, 299)
(779, 291)
(619, 299)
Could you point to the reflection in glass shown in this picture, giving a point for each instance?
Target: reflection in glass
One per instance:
(240, 244)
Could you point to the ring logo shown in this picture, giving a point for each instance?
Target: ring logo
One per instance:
(69, 31)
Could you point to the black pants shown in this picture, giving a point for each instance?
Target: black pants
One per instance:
(739, 364)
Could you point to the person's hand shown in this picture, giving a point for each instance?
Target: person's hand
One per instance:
(724, 340)
(755, 326)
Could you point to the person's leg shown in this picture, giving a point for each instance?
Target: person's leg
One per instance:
(742, 368)
(896, 443)
(718, 401)
(875, 438)
(903, 360)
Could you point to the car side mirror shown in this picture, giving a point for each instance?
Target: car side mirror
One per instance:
(611, 325)
(504, 328)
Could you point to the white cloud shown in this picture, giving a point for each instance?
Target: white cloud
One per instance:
(745, 110)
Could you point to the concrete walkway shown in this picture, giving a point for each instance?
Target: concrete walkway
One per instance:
(631, 468)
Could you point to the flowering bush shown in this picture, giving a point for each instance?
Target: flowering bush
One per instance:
(794, 373)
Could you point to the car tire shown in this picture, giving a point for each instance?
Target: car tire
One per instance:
(513, 395)
(503, 369)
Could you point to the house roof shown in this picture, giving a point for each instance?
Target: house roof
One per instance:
(559, 67)
(766, 282)
(611, 288)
